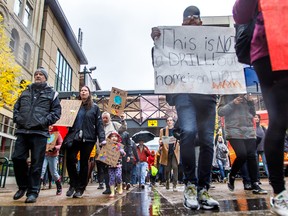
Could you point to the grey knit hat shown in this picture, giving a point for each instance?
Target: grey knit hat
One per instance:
(190, 11)
(43, 71)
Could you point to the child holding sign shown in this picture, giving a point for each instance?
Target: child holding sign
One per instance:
(115, 172)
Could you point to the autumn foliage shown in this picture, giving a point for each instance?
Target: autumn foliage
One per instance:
(10, 88)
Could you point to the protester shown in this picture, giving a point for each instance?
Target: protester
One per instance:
(109, 126)
(221, 157)
(238, 112)
(274, 88)
(143, 153)
(89, 125)
(115, 172)
(151, 162)
(196, 113)
(51, 159)
(37, 107)
(134, 159)
(170, 153)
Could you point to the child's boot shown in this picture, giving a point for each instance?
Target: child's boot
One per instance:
(112, 188)
(120, 188)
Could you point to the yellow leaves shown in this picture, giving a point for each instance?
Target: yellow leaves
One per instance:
(10, 88)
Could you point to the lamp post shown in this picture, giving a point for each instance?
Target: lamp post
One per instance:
(87, 71)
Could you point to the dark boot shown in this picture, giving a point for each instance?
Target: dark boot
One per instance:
(107, 191)
(58, 187)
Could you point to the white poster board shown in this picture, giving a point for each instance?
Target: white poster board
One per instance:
(197, 59)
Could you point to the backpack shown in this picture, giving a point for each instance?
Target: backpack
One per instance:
(243, 37)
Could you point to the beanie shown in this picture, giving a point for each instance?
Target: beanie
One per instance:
(190, 11)
(43, 71)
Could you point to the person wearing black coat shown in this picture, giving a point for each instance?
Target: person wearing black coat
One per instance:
(89, 124)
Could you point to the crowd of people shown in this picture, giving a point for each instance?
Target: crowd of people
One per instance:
(192, 149)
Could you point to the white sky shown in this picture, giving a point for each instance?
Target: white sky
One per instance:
(116, 35)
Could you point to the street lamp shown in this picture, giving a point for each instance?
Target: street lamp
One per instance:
(87, 71)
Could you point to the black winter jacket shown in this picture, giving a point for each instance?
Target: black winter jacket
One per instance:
(36, 109)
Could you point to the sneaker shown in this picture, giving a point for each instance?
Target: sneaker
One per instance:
(100, 186)
(190, 197)
(206, 201)
(107, 191)
(279, 204)
(70, 191)
(257, 189)
(230, 183)
(78, 194)
(142, 186)
(58, 187)
(248, 186)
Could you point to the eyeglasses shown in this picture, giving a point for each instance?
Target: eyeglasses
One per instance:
(193, 16)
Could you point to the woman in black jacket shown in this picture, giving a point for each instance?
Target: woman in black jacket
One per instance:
(89, 125)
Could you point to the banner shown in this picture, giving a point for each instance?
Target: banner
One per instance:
(197, 59)
(117, 101)
(70, 110)
(110, 153)
(275, 13)
(51, 141)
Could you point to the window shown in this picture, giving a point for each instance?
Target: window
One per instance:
(63, 79)
(27, 15)
(26, 55)
(17, 7)
(14, 41)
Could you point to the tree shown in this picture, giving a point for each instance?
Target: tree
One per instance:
(10, 87)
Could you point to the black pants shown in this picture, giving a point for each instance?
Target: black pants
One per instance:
(274, 87)
(245, 151)
(79, 180)
(102, 172)
(29, 178)
(126, 171)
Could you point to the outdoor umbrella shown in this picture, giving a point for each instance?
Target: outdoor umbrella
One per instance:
(143, 135)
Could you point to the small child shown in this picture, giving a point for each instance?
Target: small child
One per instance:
(115, 173)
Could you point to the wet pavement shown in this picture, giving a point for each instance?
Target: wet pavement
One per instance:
(136, 202)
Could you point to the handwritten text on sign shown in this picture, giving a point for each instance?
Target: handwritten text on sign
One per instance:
(197, 59)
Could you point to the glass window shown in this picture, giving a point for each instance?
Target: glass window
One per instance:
(14, 41)
(26, 55)
(27, 15)
(17, 7)
(63, 74)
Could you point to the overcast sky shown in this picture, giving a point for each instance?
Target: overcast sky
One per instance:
(116, 35)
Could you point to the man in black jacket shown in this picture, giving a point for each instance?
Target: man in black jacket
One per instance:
(37, 108)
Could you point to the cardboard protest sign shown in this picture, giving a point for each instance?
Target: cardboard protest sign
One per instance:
(70, 110)
(110, 153)
(117, 101)
(51, 141)
(168, 139)
(197, 59)
(275, 13)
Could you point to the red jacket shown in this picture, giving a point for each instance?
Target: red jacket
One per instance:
(144, 154)
(150, 161)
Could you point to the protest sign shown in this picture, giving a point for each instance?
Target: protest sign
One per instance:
(275, 14)
(197, 59)
(110, 153)
(117, 101)
(51, 141)
(168, 139)
(70, 110)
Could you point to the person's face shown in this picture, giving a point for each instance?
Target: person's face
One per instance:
(220, 139)
(256, 118)
(50, 128)
(170, 122)
(105, 119)
(114, 138)
(141, 142)
(84, 93)
(193, 20)
(39, 77)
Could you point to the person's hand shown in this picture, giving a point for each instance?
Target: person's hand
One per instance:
(128, 159)
(155, 34)
(249, 97)
(238, 100)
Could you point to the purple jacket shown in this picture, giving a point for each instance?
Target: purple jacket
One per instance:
(243, 12)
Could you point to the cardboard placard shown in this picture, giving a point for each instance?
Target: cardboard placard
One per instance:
(168, 139)
(110, 153)
(70, 110)
(117, 101)
(51, 141)
(275, 13)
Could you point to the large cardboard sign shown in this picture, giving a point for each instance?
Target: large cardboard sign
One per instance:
(117, 101)
(275, 13)
(110, 153)
(197, 59)
(51, 141)
(70, 110)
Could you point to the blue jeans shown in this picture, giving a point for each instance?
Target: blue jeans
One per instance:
(196, 114)
(221, 165)
(142, 170)
(52, 161)
(134, 176)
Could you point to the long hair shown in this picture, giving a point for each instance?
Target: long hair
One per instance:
(89, 102)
